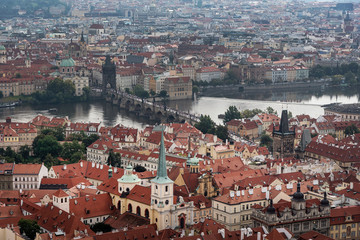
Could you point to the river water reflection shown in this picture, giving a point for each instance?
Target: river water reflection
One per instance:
(307, 101)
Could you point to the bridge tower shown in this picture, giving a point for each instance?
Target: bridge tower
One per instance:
(109, 75)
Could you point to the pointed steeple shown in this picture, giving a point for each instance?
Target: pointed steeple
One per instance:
(161, 176)
(284, 122)
(82, 37)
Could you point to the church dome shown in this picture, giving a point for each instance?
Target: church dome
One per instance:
(67, 62)
(298, 195)
(325, 201)
(270, 209)
(192, 161)
(129, 177)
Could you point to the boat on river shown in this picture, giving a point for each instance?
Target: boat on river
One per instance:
(8, 104)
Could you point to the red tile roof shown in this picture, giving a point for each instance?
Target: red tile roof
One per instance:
(92, 206)
(140, 194)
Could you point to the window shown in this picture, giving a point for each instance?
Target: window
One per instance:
(166, 188)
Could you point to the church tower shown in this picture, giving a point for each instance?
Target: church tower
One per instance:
(83, 46)
(162, 192)
(283, 139)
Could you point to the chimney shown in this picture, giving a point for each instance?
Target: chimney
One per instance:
(81, 164)
(258, 236)
(64, 167)
(351, 185)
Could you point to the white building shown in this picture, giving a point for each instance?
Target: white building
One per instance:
(28, 176)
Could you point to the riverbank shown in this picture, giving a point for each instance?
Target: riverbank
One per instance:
(259, 87)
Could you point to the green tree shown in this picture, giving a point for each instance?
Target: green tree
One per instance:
(164, 95)
(50, 161)
(231, 113)
(195, 89)
(266, 140)
(87, 141)
(139, 168)
(101, 227)
(46, 144)
(58, 133)
(206, 124)
(222, 132)
(152, 93)
(336, 79)
(24, 151)
(350, 78)
(352, 129)
(270, 110)
(1, 94)
(317, 72)
(29, 227)
(247, 113)
(290, 115)
(86, 94)
(114, 159)
(69, 149)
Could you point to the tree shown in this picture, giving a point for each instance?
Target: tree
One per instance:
(195, 89)
(114, 159)
(58, 133)
(50, 161)
(152, 93)
(206, 124)
(29, 227)
(101, 227)
(1, 94)
(222, 132)
(266, 140)
(352, 129)
(46, 144)
(247, 113)
(270, 110)
(88, 140)
(163, 94)
(25, 152)
(290, 115)
(72, 151)
(231, 113)
(350, 78)
(139, 168)
(86, 94)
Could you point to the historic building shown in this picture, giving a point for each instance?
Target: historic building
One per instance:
(78, 49)
(345, 222)
(283, 145)
(299, 215)
(108, 74)
(157, 202)
(178, 87)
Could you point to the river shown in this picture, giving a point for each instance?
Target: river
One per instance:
(213, 103)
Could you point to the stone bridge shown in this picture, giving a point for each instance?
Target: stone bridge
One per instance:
(149, 109)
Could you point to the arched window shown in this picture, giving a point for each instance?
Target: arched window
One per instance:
(138, 210)
(147, 215)
(119, 205)
(130, 207)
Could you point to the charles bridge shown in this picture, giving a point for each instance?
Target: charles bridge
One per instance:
(149, 109)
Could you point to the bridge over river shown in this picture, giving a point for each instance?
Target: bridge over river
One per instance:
(150, 109)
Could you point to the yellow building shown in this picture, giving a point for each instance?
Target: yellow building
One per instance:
(344, 223)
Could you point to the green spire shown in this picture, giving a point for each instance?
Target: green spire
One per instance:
(161, 176)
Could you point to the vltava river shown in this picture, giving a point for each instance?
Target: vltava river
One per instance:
(304, 102)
